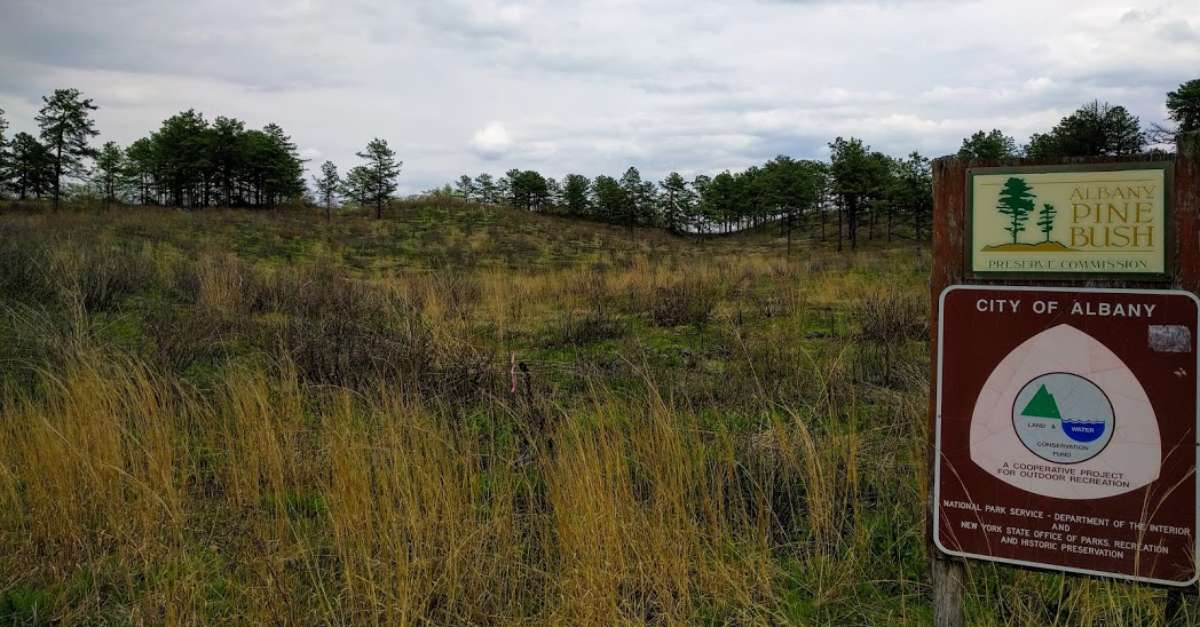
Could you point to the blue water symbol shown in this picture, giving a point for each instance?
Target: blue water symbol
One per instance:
(1083, 430)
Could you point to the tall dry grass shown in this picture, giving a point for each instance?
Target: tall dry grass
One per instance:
(193, 436)
(144, 501)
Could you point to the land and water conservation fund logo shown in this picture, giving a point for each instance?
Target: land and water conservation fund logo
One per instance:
(1063, 418)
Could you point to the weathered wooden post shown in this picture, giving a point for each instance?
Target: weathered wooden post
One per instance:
(1063, 403)
(948, 231)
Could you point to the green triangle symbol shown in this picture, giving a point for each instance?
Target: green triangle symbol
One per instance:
(1042, 405)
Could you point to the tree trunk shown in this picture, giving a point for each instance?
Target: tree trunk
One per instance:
(789, 234)
(852, 223)
(841, 211)
(58, 173)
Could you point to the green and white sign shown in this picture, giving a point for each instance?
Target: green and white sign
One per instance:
(1110, 219)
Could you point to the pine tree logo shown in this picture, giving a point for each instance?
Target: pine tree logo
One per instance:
(1017, 203)
(1046, 220)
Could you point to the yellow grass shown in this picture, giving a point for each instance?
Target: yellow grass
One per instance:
(761, 463)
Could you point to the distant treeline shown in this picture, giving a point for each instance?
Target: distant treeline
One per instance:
(188, 162)
(858, 184)
(191, 162)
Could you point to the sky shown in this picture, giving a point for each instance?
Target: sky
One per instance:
(697, 86)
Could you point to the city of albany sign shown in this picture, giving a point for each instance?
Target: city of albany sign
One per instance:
(1099, 219)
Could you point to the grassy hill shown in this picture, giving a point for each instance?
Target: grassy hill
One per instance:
(463, 415)
(453, 235)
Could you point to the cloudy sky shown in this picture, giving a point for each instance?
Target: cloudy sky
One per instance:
(593, 87)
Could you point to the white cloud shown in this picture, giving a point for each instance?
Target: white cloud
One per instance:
(491, 141)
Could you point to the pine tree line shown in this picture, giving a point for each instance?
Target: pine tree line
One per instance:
(889, 195)
(188, 162)
(192, 162)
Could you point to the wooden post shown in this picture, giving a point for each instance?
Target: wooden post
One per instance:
(1187, 215)
(949, 267)
(948, 227)
(1187, 259)
(949, 579)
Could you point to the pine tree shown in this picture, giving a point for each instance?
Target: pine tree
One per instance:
(720, 199)
(1094, 129)
(639, 199)
(66, 126)
(860, 177)
(227, 158)
(1046, 219)
(487, 188)
(283, 168)
(1016, 202)
(529, 189)
(382, 170)
(990, 146)
(1183, 107)
(676, 201)
(609, 198)
(141, 169)
(554, 193)
(511, 190)
(328, 185)
(575, 194)
(110, 170)
(912, 192)
(466, 188)
(31, 167)
(180, 156)
(356, 184)
(698, 217)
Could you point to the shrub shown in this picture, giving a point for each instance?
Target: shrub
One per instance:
(179, 337)
(686, 302)
(350, 333)
(889, 323)
(97, 279)
(892, 316)
(574, 329)
(225, 284)
(25, 260)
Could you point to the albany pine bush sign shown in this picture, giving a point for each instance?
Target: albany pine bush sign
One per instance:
(1098, 220)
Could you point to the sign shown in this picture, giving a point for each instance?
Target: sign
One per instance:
(1066, 429)
(1107, 219)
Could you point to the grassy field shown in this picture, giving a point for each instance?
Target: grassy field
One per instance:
(469, 415)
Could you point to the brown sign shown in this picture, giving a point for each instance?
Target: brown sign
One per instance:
(1066, 429)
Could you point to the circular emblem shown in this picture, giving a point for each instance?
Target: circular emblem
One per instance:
(1063, 418)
